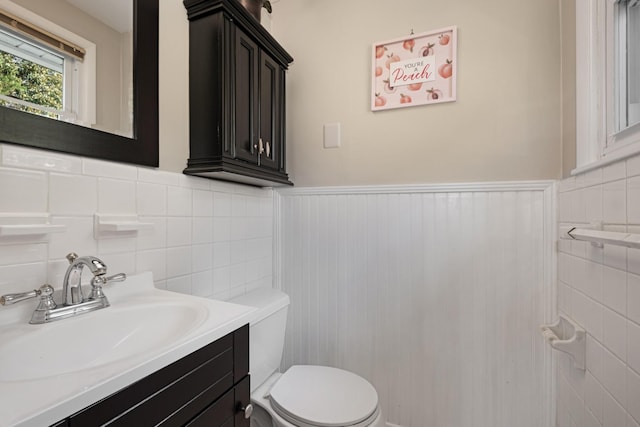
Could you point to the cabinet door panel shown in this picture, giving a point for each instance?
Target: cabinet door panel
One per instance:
(242, 397)
(246, 101)
(270, 111)
(218, 414)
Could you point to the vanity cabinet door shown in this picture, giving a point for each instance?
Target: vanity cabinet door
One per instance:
(228, 410)
(245, 124)
(219, 414)
(259, 104)
(242, 396)
(271, 111)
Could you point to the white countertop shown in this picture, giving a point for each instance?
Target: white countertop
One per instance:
(41, 400)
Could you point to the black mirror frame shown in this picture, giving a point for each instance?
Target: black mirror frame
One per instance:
(22, 128)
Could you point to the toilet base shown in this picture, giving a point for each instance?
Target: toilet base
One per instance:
(265, 416)
(260, 417)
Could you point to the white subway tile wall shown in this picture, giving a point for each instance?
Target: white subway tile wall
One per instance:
(600, 289)
(209, 238)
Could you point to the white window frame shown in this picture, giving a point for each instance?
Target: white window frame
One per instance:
(597, 144)
(80, 76)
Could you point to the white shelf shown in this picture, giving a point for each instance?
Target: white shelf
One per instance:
(28, 224)
(30, 229)
(117, 225)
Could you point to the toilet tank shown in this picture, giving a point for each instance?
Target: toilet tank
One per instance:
(266, 331)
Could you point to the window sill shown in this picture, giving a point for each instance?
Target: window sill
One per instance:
(619, 154)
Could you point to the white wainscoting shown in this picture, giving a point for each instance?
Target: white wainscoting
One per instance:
(435, 294)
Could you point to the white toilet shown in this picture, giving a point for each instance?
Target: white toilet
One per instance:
(305, 395)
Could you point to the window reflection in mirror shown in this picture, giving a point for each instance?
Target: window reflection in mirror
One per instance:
(627, 63)
(97, 85)
(32, 77)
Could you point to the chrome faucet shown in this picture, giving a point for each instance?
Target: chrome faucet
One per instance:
(73, 300)
(72, 292)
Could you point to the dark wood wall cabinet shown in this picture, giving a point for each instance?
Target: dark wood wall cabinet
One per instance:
(209, 387)
(236, 96)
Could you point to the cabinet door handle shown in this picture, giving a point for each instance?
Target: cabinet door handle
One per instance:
(268, 149)
(248, 410)
(260, 146)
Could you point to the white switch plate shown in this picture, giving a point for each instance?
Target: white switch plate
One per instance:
(332, 135)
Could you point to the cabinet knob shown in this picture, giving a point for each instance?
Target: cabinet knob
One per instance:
(248, 410)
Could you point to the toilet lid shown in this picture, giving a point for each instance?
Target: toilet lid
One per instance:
(323, 396)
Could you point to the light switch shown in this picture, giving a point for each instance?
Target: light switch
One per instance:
(332, 135)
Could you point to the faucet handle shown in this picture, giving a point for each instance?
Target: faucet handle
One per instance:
(45, 292)
(120, 277)
(98, 281)
(101, 280)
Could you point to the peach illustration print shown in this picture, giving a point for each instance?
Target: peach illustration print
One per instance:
(391, 58)
(388, 88)
(434, 94)
(427, 50)
(446, 69)
(405, 99)
(409, 45)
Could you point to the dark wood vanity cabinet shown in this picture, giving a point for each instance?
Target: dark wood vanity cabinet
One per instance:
(210, 387)
(236, 96)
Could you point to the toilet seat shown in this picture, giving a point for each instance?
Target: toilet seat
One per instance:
(321, 396)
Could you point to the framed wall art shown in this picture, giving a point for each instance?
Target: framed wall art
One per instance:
(414, 70)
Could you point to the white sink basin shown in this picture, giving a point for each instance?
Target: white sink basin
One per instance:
(66, 365)
(95, 339)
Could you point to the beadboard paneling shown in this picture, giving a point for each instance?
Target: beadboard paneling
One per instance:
(434, 295)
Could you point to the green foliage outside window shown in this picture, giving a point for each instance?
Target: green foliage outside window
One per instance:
(29, 82)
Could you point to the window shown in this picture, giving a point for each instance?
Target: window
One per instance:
(608, 81)
(624, 99)
(626, 16)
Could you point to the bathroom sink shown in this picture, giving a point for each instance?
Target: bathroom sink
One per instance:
(67, 365)
(95, 339)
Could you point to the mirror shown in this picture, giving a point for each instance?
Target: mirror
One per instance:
(69, 60)
(41, 132)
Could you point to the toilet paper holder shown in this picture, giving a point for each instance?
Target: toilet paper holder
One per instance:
(566, 336)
